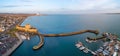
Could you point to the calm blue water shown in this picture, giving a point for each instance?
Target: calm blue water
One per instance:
(65, 46)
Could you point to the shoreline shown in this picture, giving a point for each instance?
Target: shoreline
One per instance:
(41, 36)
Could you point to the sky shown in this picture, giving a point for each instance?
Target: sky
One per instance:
(78, 6)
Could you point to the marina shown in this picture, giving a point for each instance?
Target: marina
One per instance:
(110, 47)
(80, 46)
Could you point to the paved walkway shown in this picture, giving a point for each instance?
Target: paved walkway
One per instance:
(14, 47)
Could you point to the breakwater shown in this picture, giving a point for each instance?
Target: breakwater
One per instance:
(40, 44)
(94, 39)
(41, 36)
(72, 33)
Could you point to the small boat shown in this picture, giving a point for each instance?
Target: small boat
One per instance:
(79, 44)
(1, 43)
(88, 41)
(82, 48)
(86, 50)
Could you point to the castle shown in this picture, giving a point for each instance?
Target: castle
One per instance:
(26, 28)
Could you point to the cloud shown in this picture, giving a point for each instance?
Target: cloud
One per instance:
(28, 0)
(27, 5)
(10, 6)
(95, 5)
(59, 5)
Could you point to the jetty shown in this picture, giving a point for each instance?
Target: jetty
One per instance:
(90, 40)
(41, 36)
(104, 35)
(40, 43)
(72, 33)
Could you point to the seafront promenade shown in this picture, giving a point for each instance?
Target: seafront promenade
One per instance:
(15, 46)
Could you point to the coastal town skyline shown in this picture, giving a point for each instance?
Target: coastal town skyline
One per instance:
(59, 6)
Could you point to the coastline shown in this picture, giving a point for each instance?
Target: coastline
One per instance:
(52, 35)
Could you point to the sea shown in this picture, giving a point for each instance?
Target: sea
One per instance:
(66, 23)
